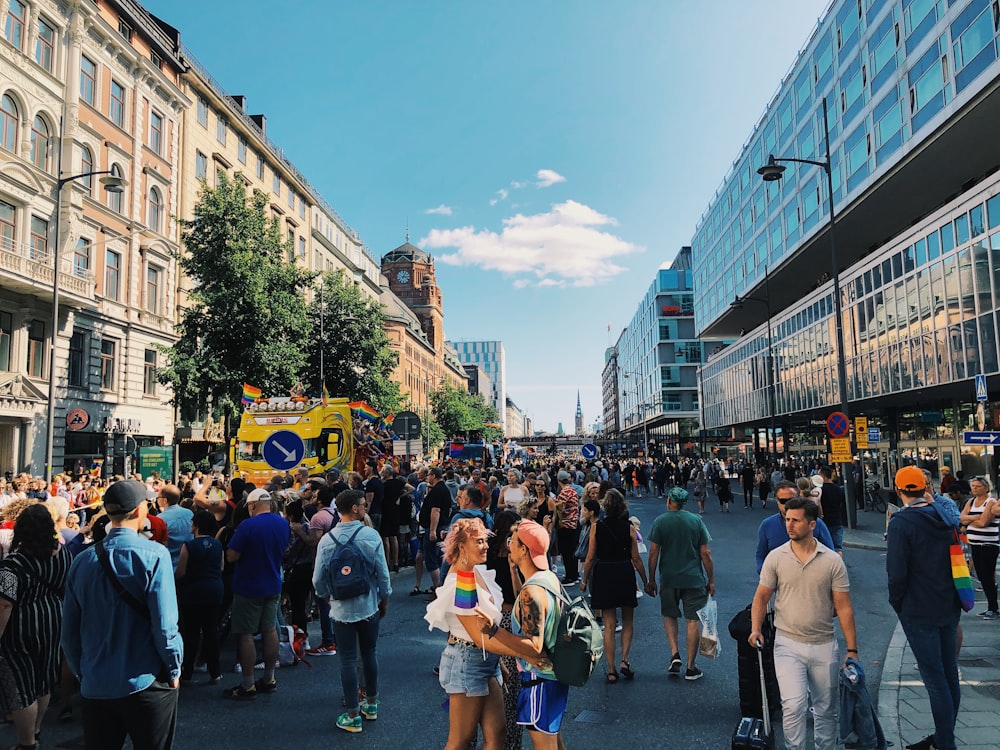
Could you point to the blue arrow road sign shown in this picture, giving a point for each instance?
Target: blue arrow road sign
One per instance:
(589, 451)
(981, 438)
(874, 434)
(981, 394)
(283, 450)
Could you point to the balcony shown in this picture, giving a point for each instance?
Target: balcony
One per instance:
(24, 270)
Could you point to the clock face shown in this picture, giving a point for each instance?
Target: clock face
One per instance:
(403, 276)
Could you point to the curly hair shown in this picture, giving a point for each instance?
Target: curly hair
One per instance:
(16, 507)
(615, 505)
(524, 507)
(460, 532)
(35, 532)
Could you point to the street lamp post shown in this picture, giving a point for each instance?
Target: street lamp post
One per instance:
(771, 172)
(736, 304)
(112, 183)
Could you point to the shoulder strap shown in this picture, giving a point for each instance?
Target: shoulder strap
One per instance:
(349, 541)
(102, 556)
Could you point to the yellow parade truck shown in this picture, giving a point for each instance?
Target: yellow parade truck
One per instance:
(282, 434)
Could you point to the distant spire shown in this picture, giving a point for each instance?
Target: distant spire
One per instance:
(407, 228)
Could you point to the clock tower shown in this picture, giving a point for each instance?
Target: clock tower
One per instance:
(410, 272)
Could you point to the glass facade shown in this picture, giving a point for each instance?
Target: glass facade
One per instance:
(892, 71)
(921, 312)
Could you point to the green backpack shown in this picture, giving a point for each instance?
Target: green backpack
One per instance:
(579, 643)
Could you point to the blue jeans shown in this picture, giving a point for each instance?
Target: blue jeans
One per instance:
(325, 623)
(935, 647)
(351, 636)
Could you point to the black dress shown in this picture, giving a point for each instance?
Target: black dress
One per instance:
(612, 581)
(30, 644)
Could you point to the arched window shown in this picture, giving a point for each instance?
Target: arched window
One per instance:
(87, 165)
(40, 138)
(8, 111)
(115, 198)
(155, 210)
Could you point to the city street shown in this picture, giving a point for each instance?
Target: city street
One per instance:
(652, 711)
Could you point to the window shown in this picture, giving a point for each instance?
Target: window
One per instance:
(220, 131)
(125, 30)
(108, 350)
(155, 213)
(302, 247)
(39, 238)
(156, 132)
(112, 274)
(9, 113)
(291, 199)
(76, 368)
(88, 79)
(302, 209)
(14, 28)
(6, 323)
(149, 373)
(973, 43)
(200, 165)
(36, 348)
(260, 167)
(153, 289)
(8, 226)
(87, 165)
(154, 57)
(114, 198)
(81, 257)
(202, 112)
(45, 45)
(241, 150)
(40, 143)
(116, 111)
(277, 185)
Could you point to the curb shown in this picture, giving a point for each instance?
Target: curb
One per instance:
(889, 686)
(865, 545)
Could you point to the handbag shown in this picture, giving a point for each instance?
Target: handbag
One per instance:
(960, 574)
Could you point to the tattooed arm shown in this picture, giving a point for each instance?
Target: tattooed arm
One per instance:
(532, 606)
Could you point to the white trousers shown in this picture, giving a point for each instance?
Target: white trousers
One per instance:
(808, 673)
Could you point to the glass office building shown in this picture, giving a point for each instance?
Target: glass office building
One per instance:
(913, 90)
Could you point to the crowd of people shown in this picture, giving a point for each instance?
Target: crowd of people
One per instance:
(179, 568)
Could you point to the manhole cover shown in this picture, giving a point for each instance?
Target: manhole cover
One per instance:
(975, 663)
(596, 717)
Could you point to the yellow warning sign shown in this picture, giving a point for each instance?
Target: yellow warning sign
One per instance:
(840, 450)
(861, 432)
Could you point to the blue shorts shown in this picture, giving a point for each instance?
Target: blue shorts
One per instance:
(541, 706)
(463, 670)
(432, 552)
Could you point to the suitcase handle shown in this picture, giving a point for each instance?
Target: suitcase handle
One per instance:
(763, 691)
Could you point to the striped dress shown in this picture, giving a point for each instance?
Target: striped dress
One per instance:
(30, 643)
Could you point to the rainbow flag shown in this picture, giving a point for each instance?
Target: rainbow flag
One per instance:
(497, 425)
(326, 394)
(362, 409)
(960, 573)
(250, 393)
(466, 595)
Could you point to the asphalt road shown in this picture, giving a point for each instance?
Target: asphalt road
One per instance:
(652, 711)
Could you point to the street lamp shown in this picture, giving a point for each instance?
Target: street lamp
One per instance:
(771, 172)
(112, 183)
(736, 304)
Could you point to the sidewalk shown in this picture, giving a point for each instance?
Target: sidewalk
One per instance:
(903, 706)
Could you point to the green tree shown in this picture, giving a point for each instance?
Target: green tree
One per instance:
(244, 320)
(455, 410)
(349, 329)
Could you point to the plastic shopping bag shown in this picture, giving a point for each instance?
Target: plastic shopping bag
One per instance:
(709, 646)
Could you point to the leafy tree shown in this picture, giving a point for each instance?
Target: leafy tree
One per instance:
(455, 410)
(357, 359)
(245, 317)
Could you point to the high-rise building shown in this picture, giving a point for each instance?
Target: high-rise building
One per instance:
(911, 98)
(490, 356)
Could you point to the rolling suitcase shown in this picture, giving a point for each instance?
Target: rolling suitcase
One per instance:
(753, 733)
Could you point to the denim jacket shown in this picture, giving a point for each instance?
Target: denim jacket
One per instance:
(370, 543)
(857, 714)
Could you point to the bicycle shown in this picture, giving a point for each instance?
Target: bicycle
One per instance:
(875, 497)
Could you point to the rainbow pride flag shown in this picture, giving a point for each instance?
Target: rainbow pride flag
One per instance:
(326, 394)
(250, 393)
(960, 573)
(466, 595)
(362, 409)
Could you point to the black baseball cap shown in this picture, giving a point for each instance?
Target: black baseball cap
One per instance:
(123, 497)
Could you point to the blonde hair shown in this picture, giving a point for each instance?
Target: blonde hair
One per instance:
(460, 532)
(804, 485)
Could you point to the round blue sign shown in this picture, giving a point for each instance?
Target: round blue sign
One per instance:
(589, 451)
(283, 450)
(837, 425)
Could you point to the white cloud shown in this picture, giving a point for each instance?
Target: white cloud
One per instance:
(569, 245)
(521, 283)
(502, 192)
(441, 210)
(548, 178)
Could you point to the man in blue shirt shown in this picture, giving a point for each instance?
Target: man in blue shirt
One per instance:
(120, 631)
(355, 620)
(177, 518)
(772, 533)
(257, 549)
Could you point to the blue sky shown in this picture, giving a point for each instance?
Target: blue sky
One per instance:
(550, 155)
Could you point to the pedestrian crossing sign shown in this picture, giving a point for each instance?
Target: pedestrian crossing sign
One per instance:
(981, 394)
